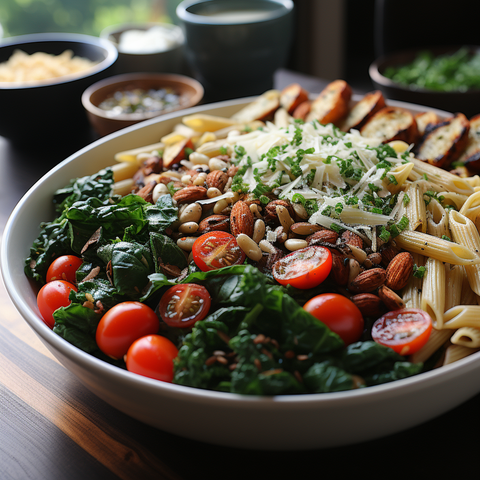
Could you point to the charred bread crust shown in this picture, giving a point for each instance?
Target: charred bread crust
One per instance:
(367, 106)
(471, 155)
(292, 96)
(332, 104)
(391, 123)
(445, 142)
(425, 121)
(302, 110)
(262, 108)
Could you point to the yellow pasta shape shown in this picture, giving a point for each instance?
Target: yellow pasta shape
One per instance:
(399, 146)
(456, 352)
(457, 200)
(212, 149)
(437, 219)
(455, 277)
(415, 209)
(131, 155)
(202, 122)
(465, 233)
(437, 248)
(400, 173)
(467, 336)
(436, 340)
(471, 207)
(412, 292)
(474, 181)
(462, 316)
(433, 291)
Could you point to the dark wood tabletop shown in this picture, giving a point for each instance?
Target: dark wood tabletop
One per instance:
(52, 427)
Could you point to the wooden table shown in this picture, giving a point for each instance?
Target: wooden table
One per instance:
(52, 427)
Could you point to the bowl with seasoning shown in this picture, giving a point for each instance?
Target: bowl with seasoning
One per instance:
(123, 100)
(147, 47)
(42, 78)
(447, 78)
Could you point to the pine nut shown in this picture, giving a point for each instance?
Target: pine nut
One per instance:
(353, 270)
(191, 213)
(266, 246)
(200, 179)
(258, 230)
(159, 190)
(186, 179)
(188, 227)
(254, 209)
(198, 158)
(293, 244)
(249, 247)
(213, 192)
(284, 217)
(216, 164)
(186, 243)
(305, 228)
(358, 253)
(220, 206)
(300, 210)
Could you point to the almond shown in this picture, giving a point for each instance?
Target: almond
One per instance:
(399, 271)
(368, 280)
(214, 222)
(241, 219)
(352, 238)
(340, 268)
(390, 299)
(217, 179)
(190, 194)
(369, 304)
(388, 253)
(271, 210)
(323, 236)
(305, 228)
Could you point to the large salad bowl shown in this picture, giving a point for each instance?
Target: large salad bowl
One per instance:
(275, 423)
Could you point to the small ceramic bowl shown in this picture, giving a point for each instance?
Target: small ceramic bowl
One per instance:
(147, 47)
(189, 90)
(48, 112)
(467, 102)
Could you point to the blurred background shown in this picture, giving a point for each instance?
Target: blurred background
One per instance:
(334, 38)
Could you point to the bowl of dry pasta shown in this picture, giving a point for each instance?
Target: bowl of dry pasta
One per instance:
(400, 231)
(42, 77)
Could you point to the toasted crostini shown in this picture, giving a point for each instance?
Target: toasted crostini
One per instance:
(302, 110)
(292, 96)
(471, 155)
(426, 120)
(444, 142)
(391, 123)
(262, 108)
(369, 104)
(332, 104)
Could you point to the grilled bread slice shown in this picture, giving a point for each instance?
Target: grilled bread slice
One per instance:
(302, 110)
(292, 96)
(444, 142)
(391, 123)
(426, 120)
(369, 104)
(332, 104)
(262, 108)
(471, 155)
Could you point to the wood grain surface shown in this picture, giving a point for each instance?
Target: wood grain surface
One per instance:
(53, 428)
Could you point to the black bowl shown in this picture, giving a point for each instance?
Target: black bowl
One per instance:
(51, 113)
(467, 102)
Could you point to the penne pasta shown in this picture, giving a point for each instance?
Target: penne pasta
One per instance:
(471, 207)
(437, 339)
(462, 316)
(467, 336)
(437, 219)
(433, 291)
(456, 352)
(455, 277)
(415, 209)
(412, 293)
(400, 173)
(437, 248)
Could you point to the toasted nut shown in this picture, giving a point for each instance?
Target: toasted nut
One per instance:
(354, 270)
(368, 281)
(217, 164)
(280, 234)
(188, 227)
(186, 243)
(254, 208)
(200, 179)
(352, 238)
(293, 244)
(191, 213)
(375, 258)
(399, 271)
(369, 304)
(340, 269)
(249, 247)
(258, 230)
(214, 222)
(213, 192)
(387, 255)
(267, 247)
(216, 179)
(190, 194)
(300, 211)
(271, 210)
(305, 228)
(285, 218)
(322, 236)
(198, 158)
(241, 219)
(390, 299)
(186, 179)
(159, 190)
(220, 206)
(358, 253)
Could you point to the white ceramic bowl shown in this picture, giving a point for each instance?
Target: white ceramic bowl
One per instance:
(276, 423)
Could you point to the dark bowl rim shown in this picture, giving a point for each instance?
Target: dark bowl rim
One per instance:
(107, 46)
(187, 17)
(378, 65)
(132, 77)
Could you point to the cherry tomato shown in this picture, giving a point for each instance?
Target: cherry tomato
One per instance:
(64, 268)
(406, 331)
(183, 305)
(216, 250)
(304, 268)
(122, 325)
(152, 356)
(339, 314)
(51, 297)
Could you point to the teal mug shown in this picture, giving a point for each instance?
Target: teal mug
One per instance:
(234, 47)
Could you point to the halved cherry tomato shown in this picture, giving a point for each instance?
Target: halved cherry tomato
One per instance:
(64, 268)
(51, 297)
(406, 331)
(152, 356)
(304, 268)
(216, 250)
(122, 325)
(183, 305)
(339, 314)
